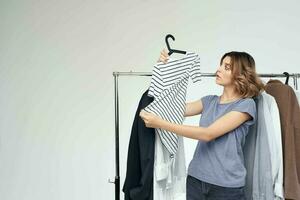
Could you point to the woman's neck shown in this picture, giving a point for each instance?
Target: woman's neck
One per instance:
(229, 94)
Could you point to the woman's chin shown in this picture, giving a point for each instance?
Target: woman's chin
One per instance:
(218, 82)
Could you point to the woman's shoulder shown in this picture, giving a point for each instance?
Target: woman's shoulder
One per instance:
(246, 102)
(206, 100)
(209, 97)
(247, 105)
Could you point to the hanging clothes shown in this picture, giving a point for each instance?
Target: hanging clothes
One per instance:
(168, 87)
(263, 157)
(169, 181)
(290, 128)
(298, 95)
(138, 183)
(275, 142)
(249, 155)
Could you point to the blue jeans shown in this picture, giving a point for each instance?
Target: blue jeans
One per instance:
(199, 190)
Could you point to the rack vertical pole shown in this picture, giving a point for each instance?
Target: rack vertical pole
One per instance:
(117, 177)
(295, 77)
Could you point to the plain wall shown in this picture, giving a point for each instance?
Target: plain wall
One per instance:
(56, 83)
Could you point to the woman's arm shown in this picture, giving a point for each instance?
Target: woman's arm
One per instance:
(221, 126)
(193, 108)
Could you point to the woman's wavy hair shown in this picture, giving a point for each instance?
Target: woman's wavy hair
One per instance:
(245, 78)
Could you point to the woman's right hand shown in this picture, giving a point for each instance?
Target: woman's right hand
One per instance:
(164, 56)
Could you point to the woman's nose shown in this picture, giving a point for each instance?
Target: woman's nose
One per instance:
(220, 68)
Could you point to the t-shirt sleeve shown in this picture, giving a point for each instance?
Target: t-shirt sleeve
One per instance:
(195, 71)
(248, 106)
(206, 100)
(156, 84)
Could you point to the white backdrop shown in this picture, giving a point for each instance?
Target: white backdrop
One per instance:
(56, 83)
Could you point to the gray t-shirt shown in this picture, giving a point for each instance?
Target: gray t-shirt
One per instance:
(221, 161)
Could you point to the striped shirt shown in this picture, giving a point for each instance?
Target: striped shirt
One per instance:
(168, 87)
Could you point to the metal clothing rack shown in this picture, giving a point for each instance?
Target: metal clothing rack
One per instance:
(116, 75)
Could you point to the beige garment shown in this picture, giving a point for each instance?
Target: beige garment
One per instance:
(290, 128)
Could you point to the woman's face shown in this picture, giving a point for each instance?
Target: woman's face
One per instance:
(224, 72)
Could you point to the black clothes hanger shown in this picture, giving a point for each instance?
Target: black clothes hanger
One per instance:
(287, 77)
(169, 48)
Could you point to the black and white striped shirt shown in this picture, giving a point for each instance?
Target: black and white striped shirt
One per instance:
(168, 87)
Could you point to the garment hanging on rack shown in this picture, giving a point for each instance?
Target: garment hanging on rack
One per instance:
(298, 95)
(169, 180)
(249, 153)
(260, 177)
(168, 87)
(290, 128)
(262, 151)
(275, 142)
(139, 175)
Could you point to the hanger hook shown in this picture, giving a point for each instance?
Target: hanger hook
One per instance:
(167, 42)
(287, 77)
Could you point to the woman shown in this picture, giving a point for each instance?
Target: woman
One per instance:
(217, 169)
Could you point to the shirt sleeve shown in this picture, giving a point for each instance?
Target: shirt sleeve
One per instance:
(195, 72)
(205, 101)
(156, 84)
(248, 106)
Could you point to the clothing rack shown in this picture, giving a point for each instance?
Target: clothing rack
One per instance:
(116, 75)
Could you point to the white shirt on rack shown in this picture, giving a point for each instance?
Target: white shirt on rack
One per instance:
(275, 143)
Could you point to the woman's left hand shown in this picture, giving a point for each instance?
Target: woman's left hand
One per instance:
(151, 120)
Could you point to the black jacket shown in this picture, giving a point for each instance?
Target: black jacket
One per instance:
(139, 175)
